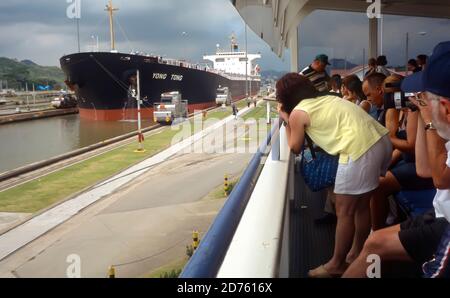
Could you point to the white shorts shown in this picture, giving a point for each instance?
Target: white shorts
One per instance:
(362, 176)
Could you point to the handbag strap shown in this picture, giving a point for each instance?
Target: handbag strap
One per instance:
(311, 145)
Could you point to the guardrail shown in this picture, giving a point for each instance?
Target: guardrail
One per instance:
(260, 246)
(208, 258)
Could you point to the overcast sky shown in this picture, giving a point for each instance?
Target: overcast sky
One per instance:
(40, 30)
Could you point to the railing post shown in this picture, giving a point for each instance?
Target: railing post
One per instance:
(276, 143)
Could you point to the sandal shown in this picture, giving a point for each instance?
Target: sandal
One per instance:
(321, 272)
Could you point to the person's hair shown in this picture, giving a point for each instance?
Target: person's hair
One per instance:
(293, 88)
(422, 58)
(392, 83)
(336, 81)
(354, 84)
(382, 61)
(372, 62)
(432, 96)
(375, 79)
(413, 62)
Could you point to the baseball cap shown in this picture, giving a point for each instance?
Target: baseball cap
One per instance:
(436, 76)
(323, 58)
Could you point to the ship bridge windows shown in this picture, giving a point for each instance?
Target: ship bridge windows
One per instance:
(220, 60)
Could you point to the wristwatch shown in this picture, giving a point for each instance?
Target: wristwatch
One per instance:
(430, 126)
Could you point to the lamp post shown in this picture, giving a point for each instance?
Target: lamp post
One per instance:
(184, 35)
(246, 63)
(34, 94)
(78, 34)
(381, 34)
(138, 98)
(26, 91)
(407, 53)
(364, 62)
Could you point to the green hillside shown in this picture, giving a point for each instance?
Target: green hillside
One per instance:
(19, 72)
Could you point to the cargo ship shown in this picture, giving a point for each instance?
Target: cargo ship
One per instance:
(104, 82)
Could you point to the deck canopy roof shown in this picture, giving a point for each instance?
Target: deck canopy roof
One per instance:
(275, 21)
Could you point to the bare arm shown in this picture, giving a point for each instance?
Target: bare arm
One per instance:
(408, 145)
(365, 105)
(435, 151)
(422, 165)
(295, 130)
(437, 157)
(396, 157)
(392, 118)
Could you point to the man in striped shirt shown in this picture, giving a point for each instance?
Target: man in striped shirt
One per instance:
(317, 73)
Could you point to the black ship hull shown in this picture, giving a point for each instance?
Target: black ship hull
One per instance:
(103, 81)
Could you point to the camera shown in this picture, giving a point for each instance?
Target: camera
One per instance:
(398, 100)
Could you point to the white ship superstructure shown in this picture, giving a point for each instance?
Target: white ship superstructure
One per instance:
(233, 63)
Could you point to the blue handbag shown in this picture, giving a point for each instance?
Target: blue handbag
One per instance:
(318, 168)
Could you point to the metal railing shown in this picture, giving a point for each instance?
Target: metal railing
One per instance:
(208, 258)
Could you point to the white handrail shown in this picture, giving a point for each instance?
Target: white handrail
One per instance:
(256, 247)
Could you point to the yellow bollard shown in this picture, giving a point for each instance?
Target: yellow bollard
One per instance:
(225, 184)
(112, 272)
(195, 239)
(205, 113)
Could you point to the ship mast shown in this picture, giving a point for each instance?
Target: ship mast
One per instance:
(111, 9)
(233, 42)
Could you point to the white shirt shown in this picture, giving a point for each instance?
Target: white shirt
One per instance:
(442, 199)
(383, 70)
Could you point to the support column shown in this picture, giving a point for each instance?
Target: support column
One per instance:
(373, 38)
(293, 46)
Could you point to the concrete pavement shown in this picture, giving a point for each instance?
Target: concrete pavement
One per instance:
(8, 219)
(137, 224)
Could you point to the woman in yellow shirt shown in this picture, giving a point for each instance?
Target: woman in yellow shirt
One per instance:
(340, 128)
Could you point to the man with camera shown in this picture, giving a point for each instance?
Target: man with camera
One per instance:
(401, 121)
(435, 149)
(417, 240)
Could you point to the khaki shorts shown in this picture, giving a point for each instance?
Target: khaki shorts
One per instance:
(362, 176)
